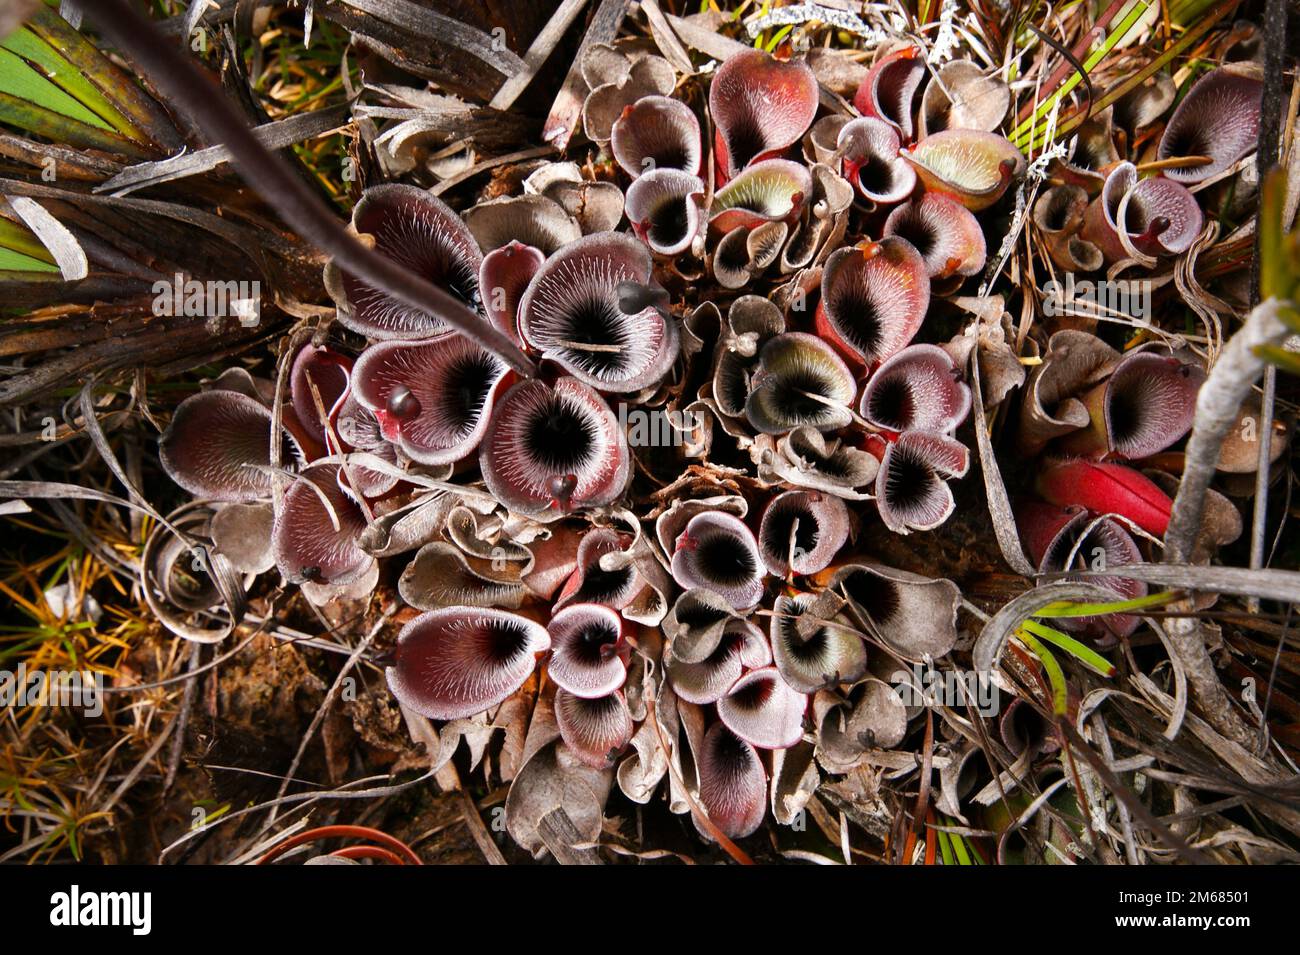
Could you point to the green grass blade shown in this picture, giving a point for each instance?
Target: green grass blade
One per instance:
(11, 261)
(1185, 12)
(54, 83)
(945, 849)
(148, 120)
(21, 251)
(1072, 609)
(1089, 657)
(1288, 361)
(32, 118)
(15, 238)
(1275, 278)
(780, 35)
(1055, 675)
(1175, 49)
(1025, 131)
(959, 849)
(18, 78)
(59, 73)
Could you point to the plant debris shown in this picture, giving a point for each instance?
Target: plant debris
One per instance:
(603, 433)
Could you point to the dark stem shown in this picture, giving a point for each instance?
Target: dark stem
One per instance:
(1270, 112)
(274, 181)
(1271, 121)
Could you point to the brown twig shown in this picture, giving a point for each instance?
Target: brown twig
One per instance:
(1225, 390)
(277, 184)
(1267, 152)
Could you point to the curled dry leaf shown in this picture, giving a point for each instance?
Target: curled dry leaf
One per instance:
(554, 777)
(530, 220)
(242, 534)
(1221, 524)
(741, 647)
(823, 222)
(873, 718)
(442, 575)
(961, 96)
(1240, 451)
(648, 76)
(696, 624)
(807, 458)
(1075, 362)
(595, 206)
(794, 781)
